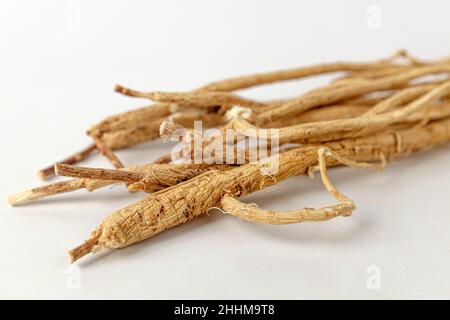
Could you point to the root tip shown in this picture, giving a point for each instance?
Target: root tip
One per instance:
(87, 247)
(43, 175)
(20, 198)
(71, 257)
(121, 89)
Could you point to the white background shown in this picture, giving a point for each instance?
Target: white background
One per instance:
(59, 63)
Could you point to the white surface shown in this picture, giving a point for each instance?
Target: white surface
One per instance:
(59, 62)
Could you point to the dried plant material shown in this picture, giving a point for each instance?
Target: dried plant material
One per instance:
(106, 150)
(140, 120)
(377, 73)
(372, 112)
(192, 99)
(185, 201)
(251, 212)
(77, 157)
(132, 119)
(246, 82)
(149, 178)
(325, 113)
(255, 214)
(66, 170)
(156, 177)
(323, 131)
(304, 133)
(125, 138)
(310, 101)
(404, 96)
(45, 191)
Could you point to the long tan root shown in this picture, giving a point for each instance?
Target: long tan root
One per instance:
(368, 114)
(155, 176)
(185, 201)
(255, 214)
(141, 122)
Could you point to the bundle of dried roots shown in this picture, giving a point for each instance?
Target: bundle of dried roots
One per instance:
(369, 114)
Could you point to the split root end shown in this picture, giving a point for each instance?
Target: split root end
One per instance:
(89, 246)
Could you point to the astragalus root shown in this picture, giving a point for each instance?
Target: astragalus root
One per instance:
(333, 95)
(379, 118)
(245, 82)
(156, 177)
(136, 126)
(369, 113)
(117, 139)
(183, 202)
(119, 131)
(193, 99)
(326, 131)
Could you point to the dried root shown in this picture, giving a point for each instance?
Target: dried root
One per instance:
(156, 177)
(77, 157)
(136, 126)
(185, 201)
(371, 113)
(45, 191)
(380, 117)
(253, 213)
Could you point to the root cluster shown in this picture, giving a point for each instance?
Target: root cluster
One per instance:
(367, 115)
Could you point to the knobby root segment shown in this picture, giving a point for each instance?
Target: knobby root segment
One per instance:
(255, 214)
(185, 201)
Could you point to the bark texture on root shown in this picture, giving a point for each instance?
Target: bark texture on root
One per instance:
(183, 202)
